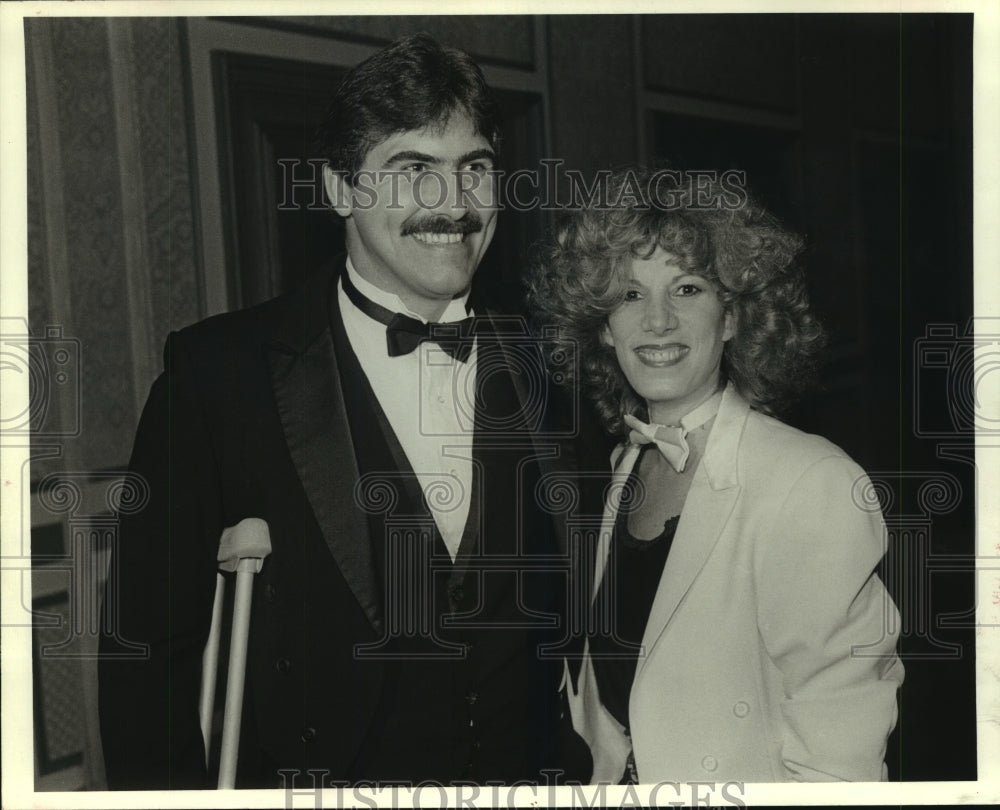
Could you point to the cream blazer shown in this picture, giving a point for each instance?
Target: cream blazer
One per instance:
(769, 654)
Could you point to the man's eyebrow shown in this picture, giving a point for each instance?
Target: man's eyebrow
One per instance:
(477, 154)
(410, 155)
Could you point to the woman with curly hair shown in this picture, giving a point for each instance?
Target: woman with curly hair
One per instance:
(739, 630)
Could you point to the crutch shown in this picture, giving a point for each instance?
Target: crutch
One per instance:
(242, 549)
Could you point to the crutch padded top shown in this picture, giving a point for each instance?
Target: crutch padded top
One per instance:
(247, 539)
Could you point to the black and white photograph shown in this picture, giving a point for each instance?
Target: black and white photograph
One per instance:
(404, 405)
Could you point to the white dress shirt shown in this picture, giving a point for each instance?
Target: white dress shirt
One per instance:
(428, 398)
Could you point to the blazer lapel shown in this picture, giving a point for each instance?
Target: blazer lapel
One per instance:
(306, 384)
(706, 511)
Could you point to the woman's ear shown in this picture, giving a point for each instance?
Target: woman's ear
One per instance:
(338, 190)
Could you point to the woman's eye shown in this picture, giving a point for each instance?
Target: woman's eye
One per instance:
(688, 289)
(632, 295)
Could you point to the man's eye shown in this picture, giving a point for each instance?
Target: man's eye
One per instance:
(478, 166)
(414, 168)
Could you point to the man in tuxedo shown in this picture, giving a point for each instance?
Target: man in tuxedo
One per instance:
(397, 440)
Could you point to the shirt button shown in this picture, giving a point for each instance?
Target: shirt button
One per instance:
(741, 708)
(441, 400)
(308, 734)
(709, 763)
(283, 665)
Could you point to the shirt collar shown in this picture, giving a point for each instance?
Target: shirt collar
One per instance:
(700, 415)
(455, 311)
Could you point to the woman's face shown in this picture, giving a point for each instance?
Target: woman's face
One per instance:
(668, 335)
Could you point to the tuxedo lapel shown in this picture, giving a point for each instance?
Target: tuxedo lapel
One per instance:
(306, 384)
(527, 373)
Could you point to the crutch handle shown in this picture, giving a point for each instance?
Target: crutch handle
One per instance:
(247, 540)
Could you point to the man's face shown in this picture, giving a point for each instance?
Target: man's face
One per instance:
(421, 212)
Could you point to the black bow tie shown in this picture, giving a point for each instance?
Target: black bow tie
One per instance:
(403, 334)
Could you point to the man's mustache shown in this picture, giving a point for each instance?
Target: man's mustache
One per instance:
(471, 222)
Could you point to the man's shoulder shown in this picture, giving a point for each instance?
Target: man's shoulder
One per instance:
(291, 319)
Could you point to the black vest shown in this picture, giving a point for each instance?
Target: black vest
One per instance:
(465, 695)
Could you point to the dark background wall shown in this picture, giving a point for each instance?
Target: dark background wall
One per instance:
(153, 202)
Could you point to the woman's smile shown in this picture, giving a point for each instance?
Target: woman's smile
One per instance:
(661, 355)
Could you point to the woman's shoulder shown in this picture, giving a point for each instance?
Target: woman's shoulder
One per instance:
(788, 451)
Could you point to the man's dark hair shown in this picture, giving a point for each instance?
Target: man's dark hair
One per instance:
(412, 84)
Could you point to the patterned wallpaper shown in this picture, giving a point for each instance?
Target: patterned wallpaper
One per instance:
(94, 234)
(120, 313)
(112, 261)
(161, 126)
(39, 305)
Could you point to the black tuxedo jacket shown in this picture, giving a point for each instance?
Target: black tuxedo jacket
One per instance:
(249, 420)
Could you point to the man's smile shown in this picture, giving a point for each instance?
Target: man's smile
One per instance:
(439, 238)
